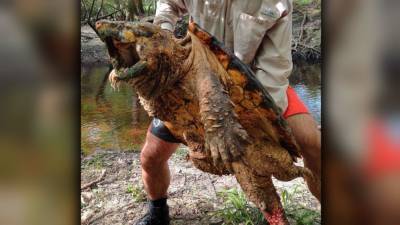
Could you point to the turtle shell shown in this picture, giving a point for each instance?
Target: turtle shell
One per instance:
(241, 73)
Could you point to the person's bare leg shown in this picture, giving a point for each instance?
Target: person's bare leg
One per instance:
(308, 136)
(154, 161)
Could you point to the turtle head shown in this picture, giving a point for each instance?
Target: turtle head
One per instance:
(125, 40)
(156, 52)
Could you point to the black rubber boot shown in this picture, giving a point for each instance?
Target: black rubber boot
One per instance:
(158, 213)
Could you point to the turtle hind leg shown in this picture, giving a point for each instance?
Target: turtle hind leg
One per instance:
(298, 171)
(292, 172)
(261, 191)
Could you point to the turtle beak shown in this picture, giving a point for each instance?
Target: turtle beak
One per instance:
(98, 25)
(121, 40)
(99, 30)
(106, 29)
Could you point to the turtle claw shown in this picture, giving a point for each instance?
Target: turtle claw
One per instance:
(113, 79)
(227, 145)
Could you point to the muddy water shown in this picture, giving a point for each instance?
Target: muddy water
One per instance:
(113, 119)
(110, 119)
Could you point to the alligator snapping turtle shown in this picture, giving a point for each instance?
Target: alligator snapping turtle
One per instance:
(210, 101)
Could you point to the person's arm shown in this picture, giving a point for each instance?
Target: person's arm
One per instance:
(263, 40)
(168, 13)
(273, 61)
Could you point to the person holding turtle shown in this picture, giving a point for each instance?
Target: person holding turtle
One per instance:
(259, 32)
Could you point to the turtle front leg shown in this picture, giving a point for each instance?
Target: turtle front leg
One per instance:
(224, 136)
(132, 71)
(117, 75)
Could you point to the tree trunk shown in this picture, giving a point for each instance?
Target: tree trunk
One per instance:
(135, 8)
(140, 9)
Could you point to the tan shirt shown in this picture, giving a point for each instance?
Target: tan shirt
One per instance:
(258, 31)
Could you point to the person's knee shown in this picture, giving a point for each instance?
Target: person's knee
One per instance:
(154, 153)
(149, 156)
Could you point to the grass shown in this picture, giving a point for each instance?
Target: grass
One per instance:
(303, 2)
(237, 210)
(96, 161)
(306, 5)
(137, 193)
(181, 152)
(306, 2)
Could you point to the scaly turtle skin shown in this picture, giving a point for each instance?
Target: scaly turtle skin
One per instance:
(210, 101)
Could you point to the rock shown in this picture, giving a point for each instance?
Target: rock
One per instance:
(86, 216)
(86, 197)
(93, 50)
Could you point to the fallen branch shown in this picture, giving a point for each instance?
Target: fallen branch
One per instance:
(309, 47)
(301, 31)
(101, 17)
(90, 184)
(87, 218)
(212, 184)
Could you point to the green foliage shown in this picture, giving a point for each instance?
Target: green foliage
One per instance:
(303, 2)
(137, 193)
(306, 5)
(150, 7)
(117, 9)
(296, 211)
(181, 152)
(287, 196)
(97, 161)
(304, 216)
(237, 210)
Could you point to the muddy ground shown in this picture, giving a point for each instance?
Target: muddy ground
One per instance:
(118, 198)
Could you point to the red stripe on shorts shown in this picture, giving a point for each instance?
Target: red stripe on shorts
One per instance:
(295, 104)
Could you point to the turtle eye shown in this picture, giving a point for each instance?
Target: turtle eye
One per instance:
(98, 25)
(143, 32)
(119, 44)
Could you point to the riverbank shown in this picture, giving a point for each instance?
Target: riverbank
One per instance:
(306, 41)
(114, 192)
